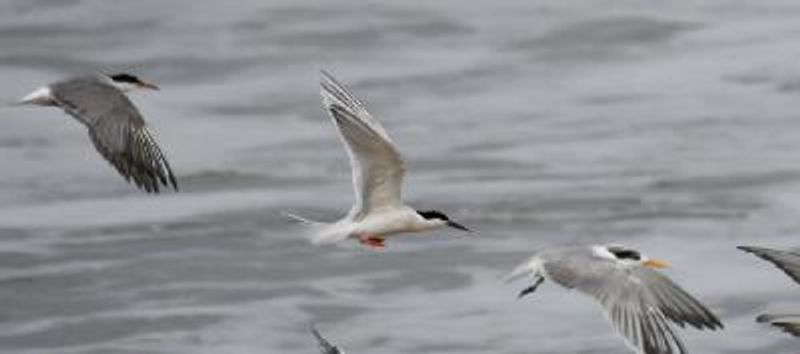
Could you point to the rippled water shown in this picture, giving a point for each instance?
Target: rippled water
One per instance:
(668, 126)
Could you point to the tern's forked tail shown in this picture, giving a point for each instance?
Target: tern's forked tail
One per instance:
(318, 232)
(530, 266)
(301, 219)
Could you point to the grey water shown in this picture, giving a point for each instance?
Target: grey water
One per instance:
(669, 126)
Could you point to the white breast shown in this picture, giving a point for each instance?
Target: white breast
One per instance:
(388, 223)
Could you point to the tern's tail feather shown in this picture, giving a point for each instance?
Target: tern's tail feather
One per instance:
(302, 220)
(317, 232)
(531, 266)
(518, 272)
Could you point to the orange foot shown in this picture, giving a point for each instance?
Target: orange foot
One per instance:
(376, 242)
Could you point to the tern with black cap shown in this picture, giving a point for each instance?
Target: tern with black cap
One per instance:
(116, 127)
(377, 171)
(638, 300)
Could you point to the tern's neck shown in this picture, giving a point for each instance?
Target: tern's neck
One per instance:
(123, 86)
(429, 224)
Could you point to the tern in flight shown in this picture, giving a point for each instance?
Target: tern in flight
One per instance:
(789, 263)
(325, 347)
(639, 301)
(378, 170)
(116, 127)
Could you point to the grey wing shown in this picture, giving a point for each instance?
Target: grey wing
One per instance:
(325, 347)
(640, 313)
(676, 303)
(788, 323)
(117, 130)
(378, 168)
(788, 262)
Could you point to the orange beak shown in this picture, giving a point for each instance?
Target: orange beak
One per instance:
(147, 85)
(655, 264)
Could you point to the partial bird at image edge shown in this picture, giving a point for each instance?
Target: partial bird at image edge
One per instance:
(789, 263)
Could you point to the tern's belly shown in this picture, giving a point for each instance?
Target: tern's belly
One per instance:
(386, 225)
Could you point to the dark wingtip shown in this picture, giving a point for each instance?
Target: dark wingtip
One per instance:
(172, 180)
(746, 248)
(325, 73)
(312, 327)
(458, 226)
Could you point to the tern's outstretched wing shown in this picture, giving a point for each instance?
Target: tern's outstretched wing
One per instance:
(377, 166)
(640, 303)
(117, 129)
(325, 347)
(789, 263)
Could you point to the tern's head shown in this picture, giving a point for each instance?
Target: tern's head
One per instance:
(127, 82)
(628, 256)
(438, 218)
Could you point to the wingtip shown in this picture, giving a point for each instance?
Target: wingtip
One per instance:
(312, 327)
(758, 251)
(326, 79)
(716, 324)
(324, 73)
(174, 182)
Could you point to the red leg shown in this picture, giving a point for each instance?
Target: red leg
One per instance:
(375, 242)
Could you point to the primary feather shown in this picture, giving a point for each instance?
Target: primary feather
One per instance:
(376, 164)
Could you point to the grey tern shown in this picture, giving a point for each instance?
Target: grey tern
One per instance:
(639, 301)
(116, 127)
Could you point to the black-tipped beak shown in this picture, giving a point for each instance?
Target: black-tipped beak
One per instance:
(148, 86)
(456, 225)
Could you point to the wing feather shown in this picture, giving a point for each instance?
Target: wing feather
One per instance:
(676, 303)
(117, 130)
(640, 303)
(787, 261)
(325, 347)
(789, 323)
(378, 168)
